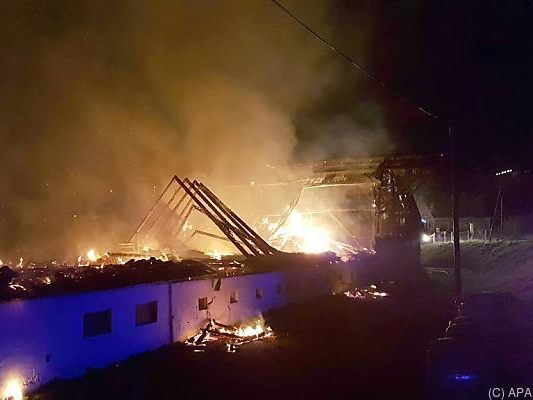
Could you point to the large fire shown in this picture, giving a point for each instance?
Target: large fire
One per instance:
(92, 256)
(303, 233)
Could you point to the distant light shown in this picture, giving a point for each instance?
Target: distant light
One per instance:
(463, 377)
(426, 238)
(12, 390)
(423, 220)
(505, 171)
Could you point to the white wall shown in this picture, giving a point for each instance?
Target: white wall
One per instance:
(43, 338)
(53, 327)
(188, 319)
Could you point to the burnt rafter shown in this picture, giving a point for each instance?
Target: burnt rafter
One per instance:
(167, 218)
(391, 179)
(238, 222)
(364, 170)
(396, 214)
(216, 216)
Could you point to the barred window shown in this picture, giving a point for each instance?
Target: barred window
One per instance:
(202, 303)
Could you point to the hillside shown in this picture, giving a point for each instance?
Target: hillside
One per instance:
(505, 266)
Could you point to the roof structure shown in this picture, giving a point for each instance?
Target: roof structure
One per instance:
(168, 216)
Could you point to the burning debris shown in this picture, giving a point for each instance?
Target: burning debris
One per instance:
(97, 270)
(46, 280)
(216, 335)
(52, 278)
(12, 390)
(92, 256)
(370, 293)
(304, 233)
(179, 216)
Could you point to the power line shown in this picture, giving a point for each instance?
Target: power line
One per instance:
(351, 60)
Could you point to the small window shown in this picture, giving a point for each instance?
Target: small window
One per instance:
(146, 313)
(233, 297)
(97, 323)
(279, 289)
(258, 293)
(202, 303)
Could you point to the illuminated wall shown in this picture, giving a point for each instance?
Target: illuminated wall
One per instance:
(44, 338)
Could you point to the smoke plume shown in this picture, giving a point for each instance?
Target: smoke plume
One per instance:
(104, 101)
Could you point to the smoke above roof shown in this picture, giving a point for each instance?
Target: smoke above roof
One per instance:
(104, 101)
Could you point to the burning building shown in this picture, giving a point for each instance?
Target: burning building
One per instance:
(64, 320)
(343, 206)
(106, 308)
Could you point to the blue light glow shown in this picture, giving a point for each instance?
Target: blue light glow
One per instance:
(463, 377)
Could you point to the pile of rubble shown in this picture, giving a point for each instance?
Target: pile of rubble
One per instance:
(372, 292)
(216, 336)
(41, 281)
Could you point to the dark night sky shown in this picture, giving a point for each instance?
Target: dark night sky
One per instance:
(469, 61)
(102, 101)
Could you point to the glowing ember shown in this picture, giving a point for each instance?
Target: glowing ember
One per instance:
(214, 254)
(12, 390)
(92, 256)
(362, 294)
(17, 286)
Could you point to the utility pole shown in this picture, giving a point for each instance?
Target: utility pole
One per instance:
(493, 220)
(455, 217)
(501, 216)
